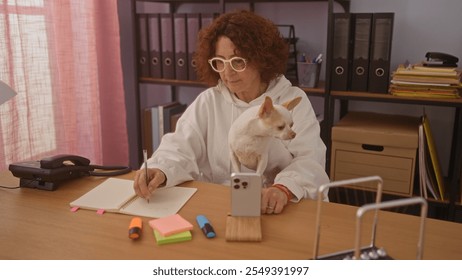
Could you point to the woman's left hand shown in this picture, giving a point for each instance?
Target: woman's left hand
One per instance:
(273, 200)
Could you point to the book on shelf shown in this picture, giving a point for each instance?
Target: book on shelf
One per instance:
(158, 121)
(427, 179)
(430, 174)
(174, 120)
(168, 111)
(430, 179)
(422, 164)
(150, 141)
(118, 196)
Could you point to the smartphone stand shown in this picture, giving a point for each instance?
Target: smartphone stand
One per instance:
(243, 228)
(371, 252)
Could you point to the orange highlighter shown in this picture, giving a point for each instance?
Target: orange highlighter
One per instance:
(134, 230)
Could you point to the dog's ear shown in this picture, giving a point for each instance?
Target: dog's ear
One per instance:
(292, 103)
(266, 108)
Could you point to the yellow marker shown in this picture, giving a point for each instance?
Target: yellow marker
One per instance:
(134, 230)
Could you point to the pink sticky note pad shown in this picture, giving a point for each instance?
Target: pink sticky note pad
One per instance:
(100, 212)
(74, 209)
(170, 225)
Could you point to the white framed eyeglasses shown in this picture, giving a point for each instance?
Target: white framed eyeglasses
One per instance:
(238, 64)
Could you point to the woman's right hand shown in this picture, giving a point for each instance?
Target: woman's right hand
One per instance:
(143, 188)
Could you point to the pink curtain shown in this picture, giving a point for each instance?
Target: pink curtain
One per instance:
(63, 59)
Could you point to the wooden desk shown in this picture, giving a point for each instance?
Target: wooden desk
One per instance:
(36, 224)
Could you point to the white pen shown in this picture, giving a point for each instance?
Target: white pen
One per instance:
(145, 155)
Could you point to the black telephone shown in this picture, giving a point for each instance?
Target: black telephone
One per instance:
(48, 172)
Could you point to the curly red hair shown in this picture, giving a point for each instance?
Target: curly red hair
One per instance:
(257, 39)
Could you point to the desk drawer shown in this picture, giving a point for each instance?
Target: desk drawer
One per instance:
(397, 172)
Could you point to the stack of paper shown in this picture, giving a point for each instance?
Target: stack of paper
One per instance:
(423, 81)
(171, 229)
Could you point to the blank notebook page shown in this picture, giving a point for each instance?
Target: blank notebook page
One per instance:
(163, 202)
(110, 195)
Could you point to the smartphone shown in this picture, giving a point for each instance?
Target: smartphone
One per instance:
(246, 194)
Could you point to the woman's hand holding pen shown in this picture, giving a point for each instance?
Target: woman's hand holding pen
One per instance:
(155, 178)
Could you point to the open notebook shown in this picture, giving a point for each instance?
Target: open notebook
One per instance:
(117, 195)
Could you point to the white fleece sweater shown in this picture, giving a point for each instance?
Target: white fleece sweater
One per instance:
(198, 149)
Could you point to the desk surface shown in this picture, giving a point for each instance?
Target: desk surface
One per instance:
(38, 224)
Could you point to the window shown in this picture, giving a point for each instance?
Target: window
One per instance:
(63, 59)
(25, 62)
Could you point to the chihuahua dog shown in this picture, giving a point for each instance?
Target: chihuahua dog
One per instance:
(251, 133)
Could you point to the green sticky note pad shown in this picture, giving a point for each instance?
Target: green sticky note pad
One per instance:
(174, 238)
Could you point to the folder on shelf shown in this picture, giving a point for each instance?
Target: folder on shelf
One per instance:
(381, 38)
(427, 177)
(159, 120)
(362, 23)
(341, 51)
(207, 18)
(168, 65)
(422, 163)
(430, 177)
(147, 131)
(174, 120)
(168, 112)
(165, 111)
(151, 137)
(155, 52)
(142, 40)
(433, 156)
(193, 26)
(181, 51)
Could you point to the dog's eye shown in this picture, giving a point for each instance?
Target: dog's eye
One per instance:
(290, 125)
(281, 127)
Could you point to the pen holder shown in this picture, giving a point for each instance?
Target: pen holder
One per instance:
(308, 74)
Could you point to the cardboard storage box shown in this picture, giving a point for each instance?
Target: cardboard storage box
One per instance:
(367, 144)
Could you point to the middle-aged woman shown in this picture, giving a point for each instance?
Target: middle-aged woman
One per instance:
(242, 56)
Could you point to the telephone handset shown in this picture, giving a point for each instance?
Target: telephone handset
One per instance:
(48, 172)
(59, 161)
